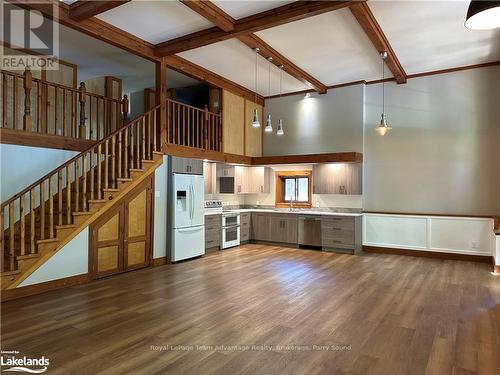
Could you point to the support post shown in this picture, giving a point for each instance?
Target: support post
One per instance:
(161, 99)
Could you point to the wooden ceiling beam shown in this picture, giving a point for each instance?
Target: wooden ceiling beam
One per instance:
(83, 9)
(295, 11)
(206, 8)
(196, 71)
(211, 12)
(253, 41)
(369, 24)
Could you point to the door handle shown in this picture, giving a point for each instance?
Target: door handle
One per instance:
(189, 230)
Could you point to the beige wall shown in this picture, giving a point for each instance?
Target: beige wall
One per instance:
(332, 122)
(443, 154)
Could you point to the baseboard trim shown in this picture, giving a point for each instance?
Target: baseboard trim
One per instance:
(29, 290)
(429, 254)
(159, 261)
(496, 269)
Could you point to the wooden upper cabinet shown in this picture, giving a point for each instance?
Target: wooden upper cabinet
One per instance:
(253, 136)
(333, 178)
(233, 114)
(209, 177)
(186, 165)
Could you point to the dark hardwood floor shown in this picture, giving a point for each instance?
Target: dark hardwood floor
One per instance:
(378, 314)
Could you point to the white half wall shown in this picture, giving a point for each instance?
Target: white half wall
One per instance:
(23, 165)
(497, 253)
(71, 260)
(461, 235)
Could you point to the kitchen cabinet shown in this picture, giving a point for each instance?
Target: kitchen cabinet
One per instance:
(187, 165)
(341, 233)
(251, 180)
(245, 224)
(337, 178)
(225, 170)
(283, 228)
(209, 177)
(260, 229)
(212, 231)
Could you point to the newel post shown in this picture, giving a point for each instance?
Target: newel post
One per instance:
(125, 107)
(28, 77)
(82, 97)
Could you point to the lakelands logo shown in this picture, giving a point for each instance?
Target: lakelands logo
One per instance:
(30, 39)
(14, 362)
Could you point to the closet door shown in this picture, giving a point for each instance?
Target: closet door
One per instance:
(138, 222)
(106, 253)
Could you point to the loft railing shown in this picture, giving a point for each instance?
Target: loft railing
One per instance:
(38, 106)
(193, 127)
(34, 213)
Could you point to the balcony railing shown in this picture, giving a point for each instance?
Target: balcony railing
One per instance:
(193, 127)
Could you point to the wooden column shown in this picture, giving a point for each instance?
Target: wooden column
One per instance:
(27, 100)
(161, 99)
(125, 107)
(82, 97)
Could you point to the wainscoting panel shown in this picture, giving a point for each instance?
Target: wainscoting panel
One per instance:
(408, 232)
(461, 235)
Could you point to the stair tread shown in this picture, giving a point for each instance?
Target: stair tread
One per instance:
(97, 201)
(47, 240)
(110, 190)
(27, 256)
(82, 213)
(9, 273)
(124, 179)
(67, 226)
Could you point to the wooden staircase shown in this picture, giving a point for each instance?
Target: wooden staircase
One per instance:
(38, 221)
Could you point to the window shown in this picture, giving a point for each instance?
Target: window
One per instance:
(293, 188)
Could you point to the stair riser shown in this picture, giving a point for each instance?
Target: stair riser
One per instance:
(63, 233)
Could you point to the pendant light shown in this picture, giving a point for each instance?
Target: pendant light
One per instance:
(383, 127)
(280, 130)
(255, 120)
(483, 15)
(269, 125)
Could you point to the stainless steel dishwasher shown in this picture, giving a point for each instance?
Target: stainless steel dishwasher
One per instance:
(309, 230)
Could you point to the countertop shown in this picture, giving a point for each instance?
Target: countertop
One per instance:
(295, 211)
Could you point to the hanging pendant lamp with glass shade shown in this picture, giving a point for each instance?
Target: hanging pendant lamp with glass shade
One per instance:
(483, 15)
(383, 127)
(269, 125)
(255, 119)
(280, 130)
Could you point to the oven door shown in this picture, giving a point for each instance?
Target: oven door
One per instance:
(230, 220)
(230, 236)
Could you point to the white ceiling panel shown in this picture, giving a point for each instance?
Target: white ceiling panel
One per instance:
(430, 36)
(236, 62)
(331, 47)
(155, 21)
(240, 9)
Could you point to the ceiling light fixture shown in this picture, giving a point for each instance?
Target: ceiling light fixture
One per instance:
(255, 119)
(280, 130)
(383, 127)
(483, 15)
(269, 125)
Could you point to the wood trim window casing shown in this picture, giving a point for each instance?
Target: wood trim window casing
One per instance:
(279, 175)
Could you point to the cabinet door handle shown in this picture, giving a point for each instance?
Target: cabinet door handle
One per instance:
(261, 188)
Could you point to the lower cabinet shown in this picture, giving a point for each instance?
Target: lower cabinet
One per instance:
(341, 233)
(245, 223)
(260, 226)
(212, 231)
(284, 228)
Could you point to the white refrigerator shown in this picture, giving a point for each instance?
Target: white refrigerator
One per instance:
(188, 217)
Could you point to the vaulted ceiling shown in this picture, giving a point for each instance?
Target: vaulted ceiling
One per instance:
(319, 47)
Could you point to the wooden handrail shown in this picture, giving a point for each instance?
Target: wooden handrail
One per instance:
(59, 85)
(73, 159)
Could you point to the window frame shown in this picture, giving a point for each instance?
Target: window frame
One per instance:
(280, 177)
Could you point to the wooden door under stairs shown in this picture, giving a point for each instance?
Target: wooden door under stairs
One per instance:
(120, 241)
